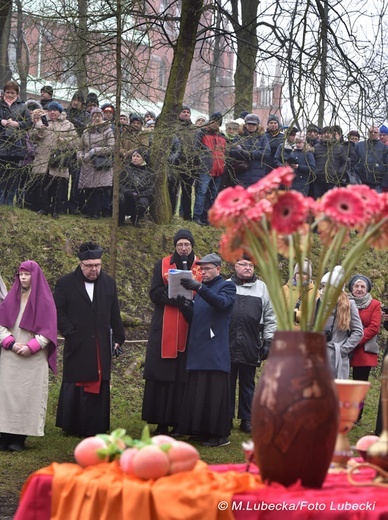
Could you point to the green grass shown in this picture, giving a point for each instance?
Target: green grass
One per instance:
(54, 244)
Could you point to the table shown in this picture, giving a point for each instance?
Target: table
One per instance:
(338, 499)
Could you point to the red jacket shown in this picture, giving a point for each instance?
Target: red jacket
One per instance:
(371, 321)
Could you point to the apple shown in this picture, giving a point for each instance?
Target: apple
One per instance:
(182, 457)
(126, 460)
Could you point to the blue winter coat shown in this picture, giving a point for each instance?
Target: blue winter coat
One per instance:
(208, 346)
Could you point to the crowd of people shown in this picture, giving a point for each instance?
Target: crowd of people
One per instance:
(55, 160)
(206, 339)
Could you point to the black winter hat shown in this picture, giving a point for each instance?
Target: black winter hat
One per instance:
(135, 117)
(47, 88)
(89, 251)
(217, 116)
(353, 280)
(92, 99)
(184, 233)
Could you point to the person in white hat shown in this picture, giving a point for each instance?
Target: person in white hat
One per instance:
(343, 329)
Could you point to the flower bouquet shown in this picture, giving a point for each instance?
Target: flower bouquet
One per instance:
(263, 221)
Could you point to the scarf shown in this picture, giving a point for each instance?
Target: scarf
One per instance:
(363, 302)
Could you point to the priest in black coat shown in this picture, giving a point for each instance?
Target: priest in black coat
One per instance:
(89, 320)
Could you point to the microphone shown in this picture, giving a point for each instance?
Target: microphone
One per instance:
(184, 262)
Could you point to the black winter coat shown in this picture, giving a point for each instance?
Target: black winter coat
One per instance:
(330, 162)
(13, 140)
(84, 323)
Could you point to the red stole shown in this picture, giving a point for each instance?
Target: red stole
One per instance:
(93, 387)
(175, 327)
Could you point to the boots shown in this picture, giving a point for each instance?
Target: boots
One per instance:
(17, 442)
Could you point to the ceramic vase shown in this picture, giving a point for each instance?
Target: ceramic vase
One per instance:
(351, 395)
(295, 411)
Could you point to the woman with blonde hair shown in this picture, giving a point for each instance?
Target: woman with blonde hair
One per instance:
(343, 329)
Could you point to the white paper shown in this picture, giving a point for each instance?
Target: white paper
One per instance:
(174, 283)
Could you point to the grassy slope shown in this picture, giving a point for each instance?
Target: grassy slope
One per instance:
(53, 244)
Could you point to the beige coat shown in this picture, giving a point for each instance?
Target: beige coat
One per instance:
(58, 135)
(23, 384)
(101, 139)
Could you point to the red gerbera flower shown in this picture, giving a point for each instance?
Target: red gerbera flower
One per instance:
(344, 207)
(262, 209)
(282, 176)
(231, 246)
(289, 212)
(229, 205)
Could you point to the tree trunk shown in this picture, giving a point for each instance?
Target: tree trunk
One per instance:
(247, 44)
(117, 159)
(5, 31)
(191, 11)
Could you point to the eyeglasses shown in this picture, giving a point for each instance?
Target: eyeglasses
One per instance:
(91, 266)
(245, 265)
(207, 268)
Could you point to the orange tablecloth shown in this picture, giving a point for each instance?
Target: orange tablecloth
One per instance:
(337, 499)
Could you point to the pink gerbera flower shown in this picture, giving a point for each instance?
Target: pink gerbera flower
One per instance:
(229, 205)
(262, 209)
(344, 207)
(289, 212)
(282, 176)
(373, 201)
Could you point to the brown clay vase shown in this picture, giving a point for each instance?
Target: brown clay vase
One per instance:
(295, 414)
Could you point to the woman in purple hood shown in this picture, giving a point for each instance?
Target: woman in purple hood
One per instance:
(28, 338)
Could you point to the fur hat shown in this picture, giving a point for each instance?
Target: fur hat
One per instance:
(335, 277)
(307, 267)
(365, 279)
(184, 233)
(89, 251)
(54, 105)
(32, 104)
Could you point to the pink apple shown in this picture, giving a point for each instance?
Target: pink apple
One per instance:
(150, 462)
(85, 452)
(126, 460)
(182, 456)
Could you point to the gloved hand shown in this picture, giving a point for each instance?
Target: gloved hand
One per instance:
(246, 155)
(265, 349)
(192, 285)
(117, 351)
(182, 302)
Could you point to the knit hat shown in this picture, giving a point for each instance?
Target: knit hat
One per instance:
(383, 129)
(89, 251)
(272, 117)
(54, 105)
(313, 128)
(186, 107)
(307, 267)
(95, 110)
(356, 277)
(184, 233)
(335, 277)
(47, 88)
(135, 117)
(216, 116)
(92, 99)
(151, 114)
(252, 119)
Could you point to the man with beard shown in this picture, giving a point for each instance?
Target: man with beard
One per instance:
(89, 320)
